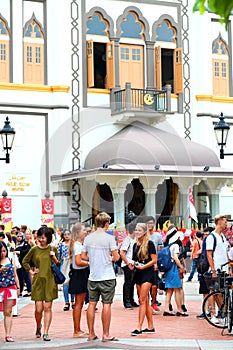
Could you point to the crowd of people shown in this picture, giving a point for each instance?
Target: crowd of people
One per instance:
(88, 261)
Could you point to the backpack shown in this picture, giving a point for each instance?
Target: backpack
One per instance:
(203, 264)
(164, 261)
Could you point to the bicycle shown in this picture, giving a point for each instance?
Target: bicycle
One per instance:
(217, 307)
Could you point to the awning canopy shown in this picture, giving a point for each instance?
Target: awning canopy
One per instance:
(140, 149)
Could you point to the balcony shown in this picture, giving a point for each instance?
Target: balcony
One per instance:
(132, 104)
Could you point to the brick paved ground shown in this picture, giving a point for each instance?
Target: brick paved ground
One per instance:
(123, 322)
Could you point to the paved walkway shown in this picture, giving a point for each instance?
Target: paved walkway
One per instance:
(171, 332)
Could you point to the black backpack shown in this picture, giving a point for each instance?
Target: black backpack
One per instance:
(203, 264)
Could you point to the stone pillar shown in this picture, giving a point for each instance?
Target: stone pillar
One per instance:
(150, 204)
(185, 210)
(116, 60)
(214, 203)
(119, 205)
(17, 43)
(150, 64)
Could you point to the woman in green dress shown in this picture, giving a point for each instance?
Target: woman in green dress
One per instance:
(44, 288)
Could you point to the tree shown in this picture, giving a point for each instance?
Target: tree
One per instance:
(222, 8)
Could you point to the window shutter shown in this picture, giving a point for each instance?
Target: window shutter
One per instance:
(4, 62)
(39, 64)
(28, 63)
(158, 77)
(110, 65)
(178, 71)
(90, 64)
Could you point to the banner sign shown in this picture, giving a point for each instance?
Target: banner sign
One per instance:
(47, 217)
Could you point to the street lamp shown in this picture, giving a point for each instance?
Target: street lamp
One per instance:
(221, 130)
(7, 134)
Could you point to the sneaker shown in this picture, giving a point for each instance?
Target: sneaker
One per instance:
(134, 304)
(128, 306)
(136, 332)
(200, 317)
(214, 320)
(158, 303)
(155, 308)
(148, 331)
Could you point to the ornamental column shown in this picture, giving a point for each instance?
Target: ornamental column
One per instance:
(119, 205)
(150, 205)
(214, 203)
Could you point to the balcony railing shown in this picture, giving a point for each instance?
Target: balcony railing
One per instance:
(131, 99)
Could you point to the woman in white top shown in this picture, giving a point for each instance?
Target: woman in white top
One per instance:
(171, 277)
(78, 276)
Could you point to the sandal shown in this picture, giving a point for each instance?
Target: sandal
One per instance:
(66, 307)
(38, 332)
(46, 337)
(9, 339)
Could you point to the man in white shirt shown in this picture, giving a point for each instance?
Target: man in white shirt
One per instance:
(100, 249)
(217, 256)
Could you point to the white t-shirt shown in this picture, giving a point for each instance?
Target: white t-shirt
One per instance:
(174, 249)
(99, 245)
(127, 246)
(220, 252)
(156, 238)
(230, 253)
(77, 251)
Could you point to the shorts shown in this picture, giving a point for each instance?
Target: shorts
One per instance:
(13, 295)
(104, 288)
(156, 278)
(203, 289)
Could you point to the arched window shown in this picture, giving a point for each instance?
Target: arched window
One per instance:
(33, 53)
(168, 58)
(220, 58)
(100, 53)
(4, 52)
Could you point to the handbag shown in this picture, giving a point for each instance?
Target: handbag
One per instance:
(66, 267)
(58, 275)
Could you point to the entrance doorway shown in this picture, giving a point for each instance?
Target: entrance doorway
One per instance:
(167, 203)
(103, 201)
(134, 199)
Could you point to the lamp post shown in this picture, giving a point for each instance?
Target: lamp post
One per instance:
(221, 130)
(7, 134)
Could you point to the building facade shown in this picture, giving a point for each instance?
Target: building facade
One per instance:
(118, 102)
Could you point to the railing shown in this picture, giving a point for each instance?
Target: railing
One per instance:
(131, 99)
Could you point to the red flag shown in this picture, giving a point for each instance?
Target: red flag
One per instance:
(6, 205)
(47, 206)
(192, 209)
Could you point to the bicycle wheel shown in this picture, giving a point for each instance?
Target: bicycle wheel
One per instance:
(214, 309)
(230, 311)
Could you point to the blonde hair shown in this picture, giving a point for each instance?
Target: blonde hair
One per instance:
(219, 217)
(101, 219)
(143, 250)
(74, 236)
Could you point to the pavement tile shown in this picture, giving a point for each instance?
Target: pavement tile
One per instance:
(171, 332)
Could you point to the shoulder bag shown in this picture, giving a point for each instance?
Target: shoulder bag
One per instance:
(58, 275)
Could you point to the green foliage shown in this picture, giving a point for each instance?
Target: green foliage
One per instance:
(222, 8)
